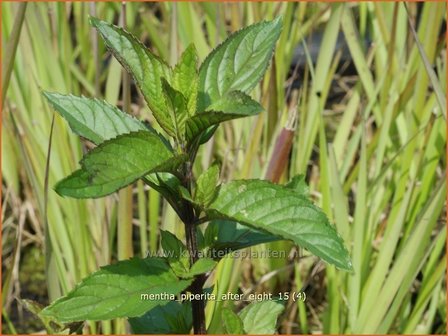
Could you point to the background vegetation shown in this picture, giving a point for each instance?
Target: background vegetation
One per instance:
(368, 121)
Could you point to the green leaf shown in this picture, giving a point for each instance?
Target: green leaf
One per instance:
(172, 247)
(298, 184)
(233, 325)
(201, 266)
(233, 105)
(282, 212)
(207, 134)
(186, 78)
(170, 187)
(185, 194)
(173, 318)
(177, 106)
(117, 163)
(51, 325)
(165, 183)
(236, 103)
(222, 237)
(206, 185)
(176, 253)
(239, 62)
(115, 291)
(200, 238)
(93, 119)
(260, 318)
(146, 68)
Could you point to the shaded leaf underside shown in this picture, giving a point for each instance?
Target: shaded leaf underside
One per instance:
(225, 236)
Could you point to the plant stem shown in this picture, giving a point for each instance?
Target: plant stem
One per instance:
(190, 219)
(198, 306)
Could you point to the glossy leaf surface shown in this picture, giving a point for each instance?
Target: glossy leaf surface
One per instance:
(232, 322)
(93, 119)
(117, 163)
(260, 318)
(146, 68)
(185, 77)
(282, 212)
(233, 105)
(206, 185)
(239, 62)
(115, 291)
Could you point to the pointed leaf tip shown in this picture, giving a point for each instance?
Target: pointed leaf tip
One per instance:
(94, 21)
(239, 62)
(145, 67)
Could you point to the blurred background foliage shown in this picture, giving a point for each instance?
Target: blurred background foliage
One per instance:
(363, 99)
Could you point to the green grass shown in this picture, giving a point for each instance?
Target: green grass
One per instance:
(374, 156)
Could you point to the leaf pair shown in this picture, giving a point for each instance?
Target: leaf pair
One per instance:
(181, 91)
(127, 149)
(184, 102)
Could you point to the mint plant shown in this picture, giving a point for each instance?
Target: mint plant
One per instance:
(188, 103)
